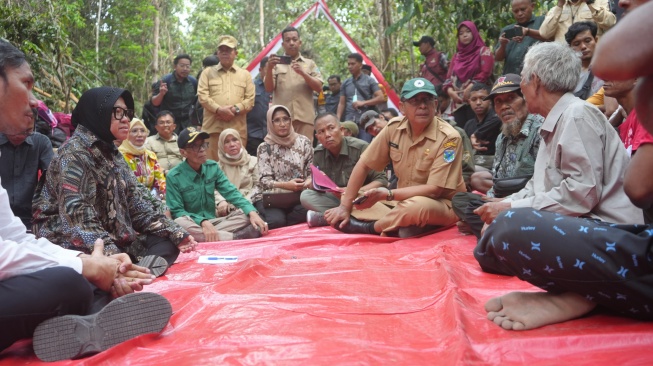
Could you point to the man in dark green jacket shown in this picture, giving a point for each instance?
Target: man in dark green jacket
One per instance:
(190, 195)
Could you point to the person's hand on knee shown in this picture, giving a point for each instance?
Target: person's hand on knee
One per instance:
(99, 269)
(187, 245)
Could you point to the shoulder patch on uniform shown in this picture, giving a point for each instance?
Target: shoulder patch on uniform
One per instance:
(450, 144)
(449, 154)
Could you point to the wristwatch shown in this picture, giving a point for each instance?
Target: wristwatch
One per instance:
(237, 109)
(390, 196)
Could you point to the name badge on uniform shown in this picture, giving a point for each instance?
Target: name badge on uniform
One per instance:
(392, 144)
(449, 151)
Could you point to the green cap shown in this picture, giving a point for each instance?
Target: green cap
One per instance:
(415, 86)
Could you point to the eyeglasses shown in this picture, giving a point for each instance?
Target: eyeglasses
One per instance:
(198, 148)
(280, 120)
(165, 123)
(119, 113)
(185, 67)
(136, 131)
(418, 102)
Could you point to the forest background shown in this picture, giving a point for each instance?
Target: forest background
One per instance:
(74, 45)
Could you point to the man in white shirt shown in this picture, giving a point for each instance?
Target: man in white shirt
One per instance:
(54, 293)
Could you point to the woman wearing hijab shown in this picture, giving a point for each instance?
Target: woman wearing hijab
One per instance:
(473, 62)
(240, 168)
(284, 160)
(141, 161)
(89, 193)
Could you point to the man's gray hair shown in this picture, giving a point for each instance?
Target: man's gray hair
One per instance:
(557, 66)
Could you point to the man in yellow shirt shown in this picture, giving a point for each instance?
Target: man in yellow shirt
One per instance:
(227, 93)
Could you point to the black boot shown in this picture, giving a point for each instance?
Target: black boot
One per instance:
(358, 227)
(248, 232)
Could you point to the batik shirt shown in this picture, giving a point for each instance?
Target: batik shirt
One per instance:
(148, 172)
(90, 193)
(278, 163)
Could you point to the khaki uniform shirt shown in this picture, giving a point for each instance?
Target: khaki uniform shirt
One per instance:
(580, 167)
(558, 20)
(434, 158)
(292, 91)
(167, 152)
(219, 87)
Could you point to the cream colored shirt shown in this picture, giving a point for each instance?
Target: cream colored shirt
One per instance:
(580, 167)
(167, 152)
(219, 87)
(558, 20)
(292, 91)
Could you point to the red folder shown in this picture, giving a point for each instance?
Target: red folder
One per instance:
(322, 182)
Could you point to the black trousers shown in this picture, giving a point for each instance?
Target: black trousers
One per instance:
(609, 264)
(278, 217)
(163, 247)
(464, 204)
(28, 300)
(252, 145)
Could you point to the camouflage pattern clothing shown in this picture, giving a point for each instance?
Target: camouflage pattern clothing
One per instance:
(515, 156)
(90, 193)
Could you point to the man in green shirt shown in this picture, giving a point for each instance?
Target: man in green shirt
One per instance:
(336, 156)
(511, 48)
(191, 199)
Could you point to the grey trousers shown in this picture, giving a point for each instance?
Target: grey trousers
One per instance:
(318, 201)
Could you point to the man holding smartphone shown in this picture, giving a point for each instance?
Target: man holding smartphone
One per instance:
(567, 12)
(515, 39)
(292, 79)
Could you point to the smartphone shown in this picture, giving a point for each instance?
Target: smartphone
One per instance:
(285, 60)
(514, 32)
(360, 200)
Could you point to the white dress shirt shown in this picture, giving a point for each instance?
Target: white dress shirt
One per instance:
(22, 253)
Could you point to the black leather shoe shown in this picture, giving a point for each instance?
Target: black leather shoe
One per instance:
(413, 230)
(315, 219)
(358, 227)
(248, 232)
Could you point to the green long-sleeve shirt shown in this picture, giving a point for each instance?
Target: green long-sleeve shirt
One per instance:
(191, 194)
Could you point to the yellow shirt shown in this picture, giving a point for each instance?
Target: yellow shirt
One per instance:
(292, 91)
(434, 158)
(220, 87)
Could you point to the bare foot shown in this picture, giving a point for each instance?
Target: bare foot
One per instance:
(530, 310)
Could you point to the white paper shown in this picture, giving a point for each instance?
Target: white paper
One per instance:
(217, 259)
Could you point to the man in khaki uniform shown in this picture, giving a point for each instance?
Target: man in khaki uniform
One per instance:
(293, 84)
(426, 153)
(227, 93)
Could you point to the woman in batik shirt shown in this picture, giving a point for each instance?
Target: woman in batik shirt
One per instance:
(284, 165)
(89, 193)
(141, 161)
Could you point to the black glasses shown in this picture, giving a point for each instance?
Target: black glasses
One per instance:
(280, 120)
(119, 113)
(198, 148)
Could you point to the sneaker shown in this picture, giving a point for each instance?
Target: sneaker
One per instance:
(315, 219)
(248, 232)
(414, 230)
(157, 265)
(75, 336)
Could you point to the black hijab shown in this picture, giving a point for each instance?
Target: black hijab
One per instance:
(95, 107)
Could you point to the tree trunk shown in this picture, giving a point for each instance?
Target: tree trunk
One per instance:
(155, 51)
(261, 25)
(385, 20)
(97, 32)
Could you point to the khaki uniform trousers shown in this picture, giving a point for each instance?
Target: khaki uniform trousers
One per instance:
(418, 211)
(304, 128)
(225, 225)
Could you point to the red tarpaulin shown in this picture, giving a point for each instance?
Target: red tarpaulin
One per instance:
(304, 296)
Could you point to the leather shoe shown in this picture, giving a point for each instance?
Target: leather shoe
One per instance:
(248, 232)
(358, 227)
(315, 219)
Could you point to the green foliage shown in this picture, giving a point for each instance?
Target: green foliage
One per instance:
(59, 36)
